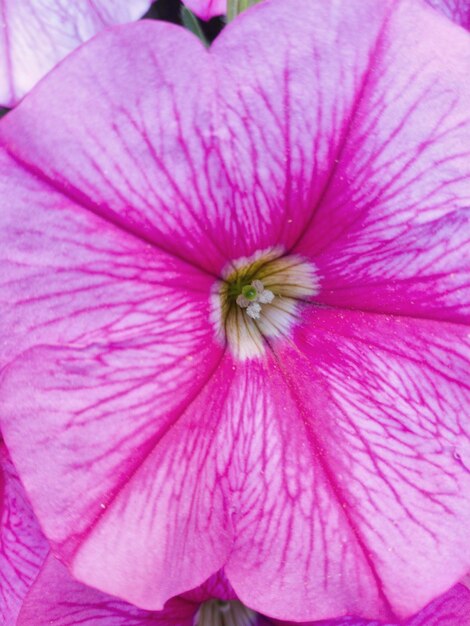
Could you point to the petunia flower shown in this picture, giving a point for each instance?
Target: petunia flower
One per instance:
(36, 34)
(456, 10)
(206, 9)
(320, 453)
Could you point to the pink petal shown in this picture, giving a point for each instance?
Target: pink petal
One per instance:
(399, 240)
(206, 9)
(22, 545)
(217, 586)
(135, 469)
(451, 609)
(135, 159)
(69, 277)
(385, 400)
(56, 598)
(36, 34)
(457, 10)
(199, 146)
(283, 113)
(133, 310)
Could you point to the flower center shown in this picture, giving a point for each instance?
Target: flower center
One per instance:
(260, 298)
(220, 613)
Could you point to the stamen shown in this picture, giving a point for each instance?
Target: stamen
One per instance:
(254, 310)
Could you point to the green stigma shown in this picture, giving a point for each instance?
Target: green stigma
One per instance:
(249, 292)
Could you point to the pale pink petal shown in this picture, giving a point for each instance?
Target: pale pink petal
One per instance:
(295, 556)
(135, 470)
(392, 230)
(193, 149)
(144, 349)
(457, 10)
(133, 159)
(70, 277)
(22, 545)
(36, 34)
(287, 102)
(451, 609)
(205, 9)
(56, 598)
(385, 403)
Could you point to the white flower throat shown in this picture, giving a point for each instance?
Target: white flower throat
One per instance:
(259, 299)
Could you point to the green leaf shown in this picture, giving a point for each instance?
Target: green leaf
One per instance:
(191, 22)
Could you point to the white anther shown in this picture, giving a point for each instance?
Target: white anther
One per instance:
(242, 301)
(265, 297)
(254, 310)
(258, 285)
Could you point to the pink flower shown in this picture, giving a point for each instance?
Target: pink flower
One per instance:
(36, 34)
(205, 9)
(457, 10)
(319, 452)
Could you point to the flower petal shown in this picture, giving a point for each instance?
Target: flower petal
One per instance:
(295, 557)
(70, 277)
(135, 157)
(400, 191)
(194, 149)
(22, 545)
(386, 399)
(205, 9)
(457, 10)
(451, 609)
(35, 35)
(291, 72)
(144, 347)
(132, 466)
(56, 598)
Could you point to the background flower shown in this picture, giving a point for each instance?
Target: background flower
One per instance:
(205, 9)
(36, 34)
(329, 476)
